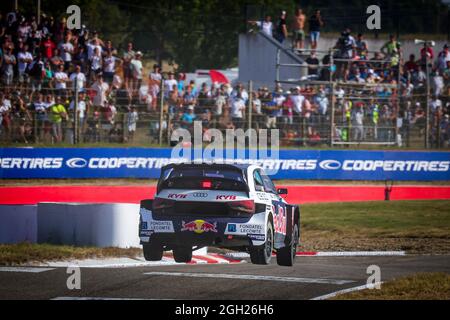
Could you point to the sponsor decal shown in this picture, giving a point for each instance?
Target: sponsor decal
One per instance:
(75, 163)
(279, 218)
(226, 197)
(31, 163)
(146, 233)
(176, 196)
(161, 226)
(258, 237)
(330, 165)
(199, 226)
(246, 228)
(200, 195)
(144, 225)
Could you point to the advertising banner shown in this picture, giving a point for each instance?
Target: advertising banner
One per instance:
(79, 163)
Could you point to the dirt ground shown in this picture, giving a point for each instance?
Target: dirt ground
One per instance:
(326, 241)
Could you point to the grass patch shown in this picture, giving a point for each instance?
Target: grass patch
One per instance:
(422, 286)
(413, 226)
(25, 253)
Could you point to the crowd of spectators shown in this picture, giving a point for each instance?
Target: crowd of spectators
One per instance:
(377, 87)
(43, 64)
(378, 95)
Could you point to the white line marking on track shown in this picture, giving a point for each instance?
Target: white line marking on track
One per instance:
(25, 269)
(336, 293)
(361, 254)
(250, 277)
(331, 254)
(101, 298)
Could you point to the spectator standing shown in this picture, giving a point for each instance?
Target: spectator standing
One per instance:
(56, 60)
(391, 49)
(266, 26)
(288, 110)
(5, 119)
(127, 56)
(57, 114)
(24, 58)
(169, 84)
(187, 119)
(109, 66)
(281, 32)
(322, 102)
(61, 80)
(101, 89)
(313, 64)
(298, 28)
(237, 111)
(78, 78)
(48, 47)
(81, 59)
(443, 58)
(357, 118)
(83, 109)
(315, 25)
(411, 65)
(96, 61)
(154, 82)
(7, 68)
(204, 102)
(362, 48)
(136, 71)
(40, 110)
(426, 54)
(66, 48)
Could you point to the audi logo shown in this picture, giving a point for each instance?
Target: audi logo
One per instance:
(200, 194)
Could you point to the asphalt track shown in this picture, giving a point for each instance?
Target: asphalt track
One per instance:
(311, 277)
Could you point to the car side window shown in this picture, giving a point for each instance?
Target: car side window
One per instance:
(259, 183)
(268, 184)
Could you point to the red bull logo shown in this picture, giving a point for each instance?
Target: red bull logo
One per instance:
(199, 226)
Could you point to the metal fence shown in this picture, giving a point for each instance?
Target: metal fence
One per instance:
(339, 114)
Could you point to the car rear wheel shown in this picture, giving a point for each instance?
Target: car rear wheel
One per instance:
(286, 255)
(263, 254)
(182, 254)
(153, 251)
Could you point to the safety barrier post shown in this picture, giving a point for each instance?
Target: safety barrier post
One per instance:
(332, 99)
(161, 110)
(75, 118)
(250, 103)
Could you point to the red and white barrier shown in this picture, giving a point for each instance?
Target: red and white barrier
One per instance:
(134, 194)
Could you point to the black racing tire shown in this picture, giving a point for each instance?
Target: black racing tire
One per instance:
(286, 256)
(263, 254)
(153, 251)
(182, 254)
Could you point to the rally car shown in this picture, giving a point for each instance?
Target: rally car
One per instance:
(221, 205)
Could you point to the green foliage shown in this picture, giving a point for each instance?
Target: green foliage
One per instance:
(203, 33)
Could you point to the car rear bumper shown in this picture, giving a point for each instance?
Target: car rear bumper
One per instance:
(202, 231)
(200, 240)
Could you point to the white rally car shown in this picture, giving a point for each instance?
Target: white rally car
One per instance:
(222, 205)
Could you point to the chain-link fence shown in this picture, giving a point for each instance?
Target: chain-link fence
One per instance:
(308, 114)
